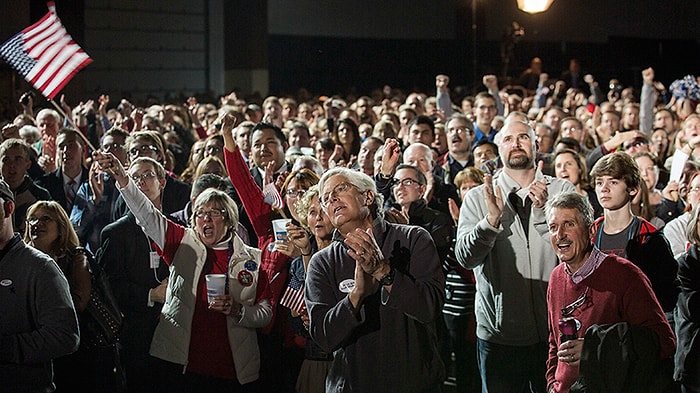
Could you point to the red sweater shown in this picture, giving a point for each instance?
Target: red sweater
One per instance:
(619, 292)
(273, 263)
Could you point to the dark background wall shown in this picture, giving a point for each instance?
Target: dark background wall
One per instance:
(180, 47)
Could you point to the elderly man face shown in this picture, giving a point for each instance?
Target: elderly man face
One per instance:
(47, 124)
(420, 157)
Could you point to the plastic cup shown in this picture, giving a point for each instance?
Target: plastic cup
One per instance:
(279, 227)
(216, 284)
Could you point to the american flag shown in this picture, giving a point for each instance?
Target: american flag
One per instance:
(45, 54)
(272, 197)
(293, 297)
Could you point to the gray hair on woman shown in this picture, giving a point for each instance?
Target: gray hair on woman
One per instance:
(219, 199)
(359, 180)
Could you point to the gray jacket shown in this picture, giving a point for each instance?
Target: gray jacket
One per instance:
(512, 271)
(391, 345)
(37, 318)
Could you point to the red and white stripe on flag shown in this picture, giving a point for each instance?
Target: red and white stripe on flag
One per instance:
(45, 54)
(293, 296)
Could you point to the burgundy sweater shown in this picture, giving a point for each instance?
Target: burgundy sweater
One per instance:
(619, 292)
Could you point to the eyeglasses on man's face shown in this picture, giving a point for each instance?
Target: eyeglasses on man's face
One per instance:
(112, 147)
(143, 177)
(134, 151)
(407, 182)
(339, 189)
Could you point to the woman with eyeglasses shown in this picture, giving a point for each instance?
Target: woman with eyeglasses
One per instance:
(138, 278)
(204, 345)
(150, 144)
(675, 230)
(49, 230)
(275, 254)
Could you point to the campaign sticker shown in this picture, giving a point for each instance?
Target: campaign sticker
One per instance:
(346, 286)
(245, 278)
(6, 282)
(250, 265)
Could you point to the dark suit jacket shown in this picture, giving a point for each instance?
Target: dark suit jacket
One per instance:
(124, 255)
(176, 194)
(53, 183)
(258, 177)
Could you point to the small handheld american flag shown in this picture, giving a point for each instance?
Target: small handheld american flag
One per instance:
(272, 197)
(293, 297)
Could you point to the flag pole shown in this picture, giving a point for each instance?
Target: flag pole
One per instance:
(70, 120)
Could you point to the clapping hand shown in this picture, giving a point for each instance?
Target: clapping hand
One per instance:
(494, 201)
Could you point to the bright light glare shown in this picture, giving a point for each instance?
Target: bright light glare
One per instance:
(534, 6)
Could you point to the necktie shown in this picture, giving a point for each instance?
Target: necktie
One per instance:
(70, 192)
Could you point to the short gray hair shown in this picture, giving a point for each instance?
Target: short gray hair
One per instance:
(219, 199)
(359, 180)
(571, 200)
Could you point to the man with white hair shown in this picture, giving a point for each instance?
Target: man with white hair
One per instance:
(437, 193)
(502, 236)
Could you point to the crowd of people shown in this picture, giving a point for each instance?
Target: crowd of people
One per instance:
(517, 240)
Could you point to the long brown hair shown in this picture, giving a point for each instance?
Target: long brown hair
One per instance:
(67, 239)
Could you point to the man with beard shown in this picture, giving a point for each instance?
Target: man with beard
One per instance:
(502, 236)
(459, 142)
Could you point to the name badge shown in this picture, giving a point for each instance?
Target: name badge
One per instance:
(346, 286)
(154, 259)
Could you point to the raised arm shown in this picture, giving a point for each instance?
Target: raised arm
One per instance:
(147, 216)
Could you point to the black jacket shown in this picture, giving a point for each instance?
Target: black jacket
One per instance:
(622, 358)
(687, 318)
(53, 183)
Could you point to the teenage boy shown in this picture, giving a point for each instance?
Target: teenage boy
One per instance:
(617, 180)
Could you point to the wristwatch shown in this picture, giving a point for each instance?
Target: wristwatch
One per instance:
(388, 278)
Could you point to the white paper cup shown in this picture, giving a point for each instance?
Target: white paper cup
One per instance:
(216, 284)
(279, 227)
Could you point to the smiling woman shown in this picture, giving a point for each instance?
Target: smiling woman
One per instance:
(192, 325)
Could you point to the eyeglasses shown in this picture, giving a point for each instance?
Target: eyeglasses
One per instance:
(210, 213)
(36, 220)
(580, 301)
(142, 149)
(295, 193)
(407, 182)
(339, 189)
(457, 130)
(634, 144)
(143, 177)
(112, 146)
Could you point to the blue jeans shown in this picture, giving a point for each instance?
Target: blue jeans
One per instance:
(511, 369)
